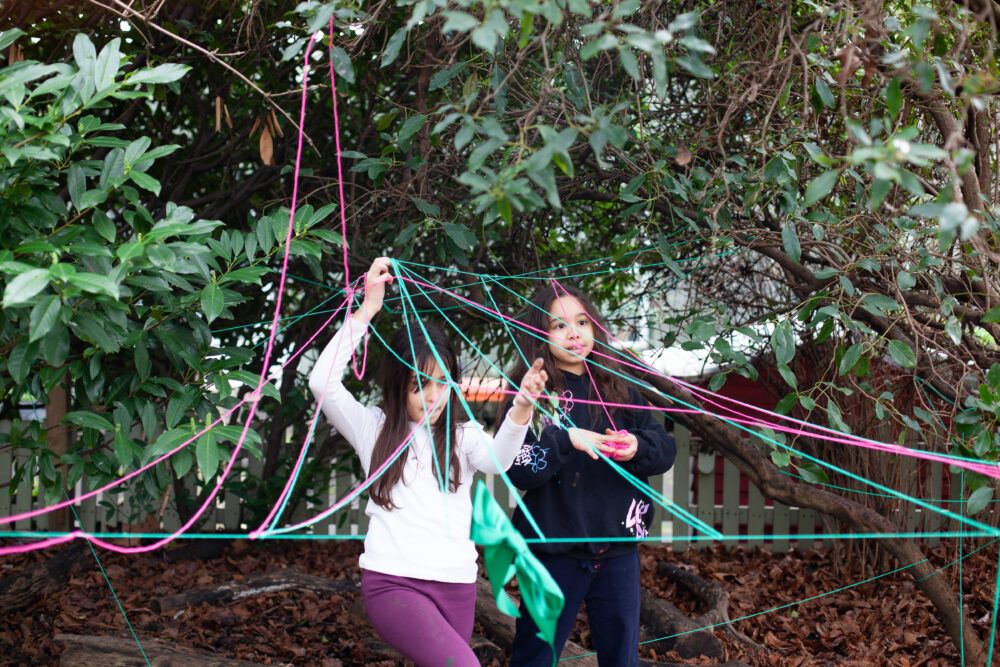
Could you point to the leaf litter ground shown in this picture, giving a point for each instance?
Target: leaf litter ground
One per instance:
(883, 622)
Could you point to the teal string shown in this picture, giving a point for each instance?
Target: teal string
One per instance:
(666, 504)
(893, 492)
(465, 407)
(768, 611)
(996, 605)
(285, 534)
(112, 588)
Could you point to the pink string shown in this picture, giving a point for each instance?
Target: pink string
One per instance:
(357, 490)
(991, 470)
(556, 286)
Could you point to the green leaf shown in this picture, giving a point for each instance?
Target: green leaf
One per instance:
(902, 354)
(780, 458)
(411, 127)
(954, 329)
(89, 420)
(459, 22)
(850, 358)
(788, 376)
(893, 97)
(812, 473)
(785, 405)
(43, 316)
(783, 342)
(123, 449)
(77, 184)
(791, 241)
(629, 62)
(694, 65)
(992, 315)
(880, 301)
(905, 280)
(460, 235)
(104, 226)
(821, 186)
(167, 442)
(212, 301)
(20, 360)
(142, 363)
(7, 37)
(24, 286)
(825, 95)
(719, 379)
(160, 74)
(342, 64)
(94, 283)
(55, 346)
(979, 500)
(106, 65)
(145, 181)
(393, 46)
(207, 453)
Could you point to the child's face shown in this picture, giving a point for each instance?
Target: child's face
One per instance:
(571, 334)
(425, 392)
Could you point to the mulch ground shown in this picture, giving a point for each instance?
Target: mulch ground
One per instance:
(886, 621)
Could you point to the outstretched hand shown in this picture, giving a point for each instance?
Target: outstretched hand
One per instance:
(378, 275)
(532, 386)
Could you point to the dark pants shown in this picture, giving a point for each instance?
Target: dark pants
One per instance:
(429, 622)
(610, 587)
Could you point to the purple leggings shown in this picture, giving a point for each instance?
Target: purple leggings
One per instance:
(429, 622)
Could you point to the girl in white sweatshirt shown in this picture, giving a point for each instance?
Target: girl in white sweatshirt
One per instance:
(419, 563)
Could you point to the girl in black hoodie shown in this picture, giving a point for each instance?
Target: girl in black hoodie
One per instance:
(594, 516)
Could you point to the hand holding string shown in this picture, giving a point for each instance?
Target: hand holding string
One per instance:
(589, 441)
(630, 442)
(378, 275)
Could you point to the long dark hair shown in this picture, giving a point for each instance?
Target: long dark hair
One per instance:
(411, 348)
(535, 318)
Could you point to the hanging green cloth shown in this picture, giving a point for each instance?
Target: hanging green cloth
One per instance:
(506, 553)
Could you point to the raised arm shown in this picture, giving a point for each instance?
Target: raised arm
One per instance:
(357, 423)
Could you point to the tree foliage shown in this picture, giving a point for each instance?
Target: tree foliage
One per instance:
(809, 187)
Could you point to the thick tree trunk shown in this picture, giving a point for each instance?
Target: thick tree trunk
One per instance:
(715, 598)
(663, 619)
(773, 484)
(20, 591)
(254, 584)
(87, 650)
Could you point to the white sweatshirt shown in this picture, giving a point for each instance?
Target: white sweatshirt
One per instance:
(427, 535)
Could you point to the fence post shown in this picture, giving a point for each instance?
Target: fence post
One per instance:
(730, 501)
(682, 487)
(932, 520)
(779, 527)
(755, 515)
(705, 501)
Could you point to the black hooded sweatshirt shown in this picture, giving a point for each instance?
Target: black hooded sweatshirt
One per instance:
(570, 495)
